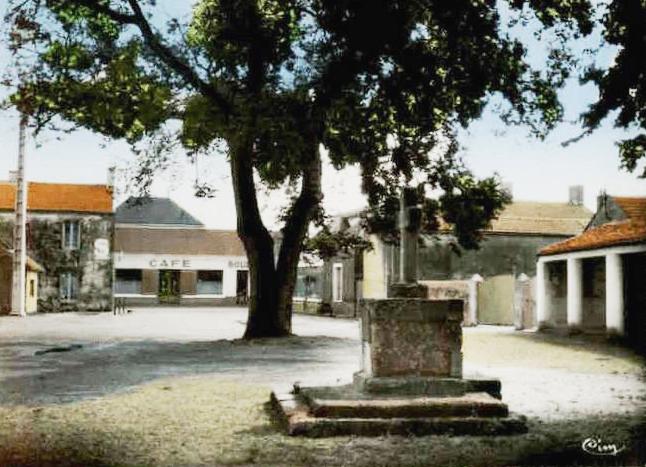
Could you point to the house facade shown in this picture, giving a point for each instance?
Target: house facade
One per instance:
(594, 282)
(497, 280)
(163, 255)
(69, 234)
(332, 286)
(32, 270)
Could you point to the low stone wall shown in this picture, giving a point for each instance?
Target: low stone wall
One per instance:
(309, 307)
(451, 290)
(335, 309)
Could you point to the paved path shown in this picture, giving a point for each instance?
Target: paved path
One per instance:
(119, 352)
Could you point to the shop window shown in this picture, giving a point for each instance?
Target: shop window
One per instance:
(209, 282)
(71, 235)
(308, 285)
(128, 281)
(68, 286)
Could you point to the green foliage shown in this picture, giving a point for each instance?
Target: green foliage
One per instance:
(622, 87)
(327, 244)
(379, 83)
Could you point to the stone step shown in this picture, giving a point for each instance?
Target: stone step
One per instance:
(453, 426)
(468, 405)
(296, 418)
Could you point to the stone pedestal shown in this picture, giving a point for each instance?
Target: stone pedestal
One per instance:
(410, 381)
(411, 337)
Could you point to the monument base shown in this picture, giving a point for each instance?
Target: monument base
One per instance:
(344, 410)
(410, 384)
(424, 386)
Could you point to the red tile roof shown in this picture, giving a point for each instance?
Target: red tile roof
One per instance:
(611, 234)
(59, 197)
(635, 208)
(625, 232)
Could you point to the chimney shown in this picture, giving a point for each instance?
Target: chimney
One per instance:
(576, 195)
(602, 204)
(110, 178)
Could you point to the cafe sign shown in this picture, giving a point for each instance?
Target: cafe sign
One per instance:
(161, 263)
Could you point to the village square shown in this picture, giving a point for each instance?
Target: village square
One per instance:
(312, 233)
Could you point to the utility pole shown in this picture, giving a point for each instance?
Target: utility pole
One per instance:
(19, 232)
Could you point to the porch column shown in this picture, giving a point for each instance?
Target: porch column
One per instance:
(543, 305)
(614, 294)
(574, 293)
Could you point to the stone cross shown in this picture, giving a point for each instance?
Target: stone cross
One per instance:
(410, 216)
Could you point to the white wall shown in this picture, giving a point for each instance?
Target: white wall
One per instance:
(229, 265)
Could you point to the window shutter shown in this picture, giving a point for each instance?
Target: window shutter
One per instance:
(187, 282)
(150, 281)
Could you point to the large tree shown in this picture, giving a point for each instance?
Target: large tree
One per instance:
(622, 85)
(379, 83)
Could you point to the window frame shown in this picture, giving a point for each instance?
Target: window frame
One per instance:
(209, 293)
(71, 285)
(116, 281)
(77, 235)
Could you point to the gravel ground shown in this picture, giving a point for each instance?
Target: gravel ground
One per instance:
(116, 385)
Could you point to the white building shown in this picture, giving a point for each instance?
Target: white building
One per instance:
(165, 256)
(596, 281)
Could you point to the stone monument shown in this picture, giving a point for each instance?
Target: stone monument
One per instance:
(411, 368)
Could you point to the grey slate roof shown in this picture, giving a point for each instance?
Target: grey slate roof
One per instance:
(153, 211)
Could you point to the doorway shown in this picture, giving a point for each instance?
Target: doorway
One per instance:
(635, 300)
(169, 287)
(242, 287)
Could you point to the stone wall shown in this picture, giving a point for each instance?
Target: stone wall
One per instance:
(46, 247)
(498, 255)
(450, 290)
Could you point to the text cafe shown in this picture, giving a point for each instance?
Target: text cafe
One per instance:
(196, 280)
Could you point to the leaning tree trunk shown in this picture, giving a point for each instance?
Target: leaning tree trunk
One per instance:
(259, 246)
(272, 285)
(295, 231)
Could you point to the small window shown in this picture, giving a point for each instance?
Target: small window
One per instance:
(32, 288)
(71, 235)
(128, 281)
(68, 286)
(209, 282)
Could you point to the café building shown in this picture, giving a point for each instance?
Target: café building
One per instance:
(163, 255)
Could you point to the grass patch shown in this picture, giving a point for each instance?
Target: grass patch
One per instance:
(211, 421)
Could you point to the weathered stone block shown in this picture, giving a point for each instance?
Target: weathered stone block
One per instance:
(413, 337)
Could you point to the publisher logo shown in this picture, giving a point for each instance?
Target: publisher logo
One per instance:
(598, 447)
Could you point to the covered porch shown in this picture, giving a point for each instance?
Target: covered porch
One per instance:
(590, 290)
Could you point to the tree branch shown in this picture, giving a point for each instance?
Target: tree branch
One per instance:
(137, 18)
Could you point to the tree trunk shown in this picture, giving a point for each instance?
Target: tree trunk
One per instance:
(262, 320)
(272, 285)
(295, 230)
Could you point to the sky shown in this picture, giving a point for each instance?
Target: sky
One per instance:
(536, 170)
